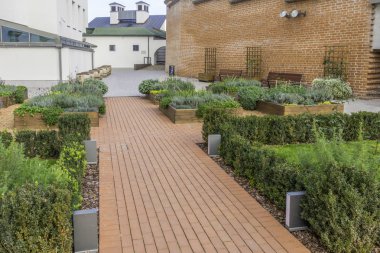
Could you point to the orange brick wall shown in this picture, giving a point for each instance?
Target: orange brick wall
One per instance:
(289, 45)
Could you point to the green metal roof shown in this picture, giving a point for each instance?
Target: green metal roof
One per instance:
(124, 31)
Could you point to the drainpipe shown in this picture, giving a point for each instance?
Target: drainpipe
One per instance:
(149, 50)
(92, 59)
(60, 63)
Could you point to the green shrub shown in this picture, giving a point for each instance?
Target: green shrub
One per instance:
(192, 100)
(97, 83)
(44, 144)
(47, 144)
(35, 219)
(20, 94)
(28, 139)
(338, 88)
(6, 138)
(16, 170)
(74, 127)
(147, 85)
(219, 104)
(342, 207)
(249, 96)
(176, 85)
(73, 161)
(102, 109)
(278, 130)
(50, 115)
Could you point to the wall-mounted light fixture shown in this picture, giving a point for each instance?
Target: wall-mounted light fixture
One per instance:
(284, 14)
(292, 14)
(297, 13)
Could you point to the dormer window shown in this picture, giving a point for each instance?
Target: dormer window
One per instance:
(146, 8)
(113, 8)
(140, 7)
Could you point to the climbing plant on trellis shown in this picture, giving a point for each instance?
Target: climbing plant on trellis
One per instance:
(210, 60)
(335, 62)
(253, 62)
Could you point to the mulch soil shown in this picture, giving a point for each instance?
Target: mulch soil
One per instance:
(90, 187)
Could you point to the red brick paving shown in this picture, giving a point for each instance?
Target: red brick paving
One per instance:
(159, 192)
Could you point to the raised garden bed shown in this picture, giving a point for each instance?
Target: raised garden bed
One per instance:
(153, 98)
(180, 116)
(36, 121)
(277, 109)
(6, 102)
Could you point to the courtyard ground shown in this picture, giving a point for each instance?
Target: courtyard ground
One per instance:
(159, 192)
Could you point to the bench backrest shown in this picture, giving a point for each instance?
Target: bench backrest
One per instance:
(286, 77)
(225, 73)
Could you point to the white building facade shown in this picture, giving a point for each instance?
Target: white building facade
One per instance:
(42, 41)
(128, 37)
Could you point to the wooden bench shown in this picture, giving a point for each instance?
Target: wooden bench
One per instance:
(228, 73)
(274, 78)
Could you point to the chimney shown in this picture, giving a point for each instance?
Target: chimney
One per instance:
(142, 13)
(115, 8)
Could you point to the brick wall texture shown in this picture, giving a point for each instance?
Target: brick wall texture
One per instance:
(294, 45)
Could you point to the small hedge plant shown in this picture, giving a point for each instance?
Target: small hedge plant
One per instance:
(279, 130)
(34, 218)
(74, 127)
(147, 85)
(44, 144)
(338, 88)
(17, 93)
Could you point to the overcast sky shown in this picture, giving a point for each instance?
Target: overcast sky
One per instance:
(100, 8)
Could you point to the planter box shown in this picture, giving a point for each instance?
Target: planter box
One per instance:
(180, 116)
(153, 99)
(36, 122)
(205, 77)
(6, 102)
(276, 109)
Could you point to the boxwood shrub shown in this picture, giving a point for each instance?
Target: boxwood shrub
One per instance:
(34, 218)
(74, 127)
(279, 130)
(45, 144)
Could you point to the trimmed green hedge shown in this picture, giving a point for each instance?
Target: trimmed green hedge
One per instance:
(74, 127)
(279, 130)
(45, 144)
(36, 219)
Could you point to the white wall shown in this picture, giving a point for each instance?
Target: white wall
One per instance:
(29, 64)
(75, 61)
(61, 17)
(124, 56)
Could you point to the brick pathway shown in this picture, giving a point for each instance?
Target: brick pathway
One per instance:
(159, 192)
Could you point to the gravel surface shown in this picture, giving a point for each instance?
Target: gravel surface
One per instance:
(90, 187)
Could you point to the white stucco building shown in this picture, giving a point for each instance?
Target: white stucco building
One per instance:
(128, 37)
(41, 41)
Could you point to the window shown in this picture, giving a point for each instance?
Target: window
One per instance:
(145, 8)
(113, 8)
(136, 48)
(112, 48)
(139, 7)
(38, 38)
(13, 35)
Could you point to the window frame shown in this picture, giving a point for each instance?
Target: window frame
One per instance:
(112, 48)
(136, 48)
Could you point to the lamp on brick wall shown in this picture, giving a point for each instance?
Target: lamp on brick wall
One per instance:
(297, 13)
(284, 14)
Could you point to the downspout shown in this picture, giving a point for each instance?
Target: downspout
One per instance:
(92, 59)
(149, 50)
(60, 64)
